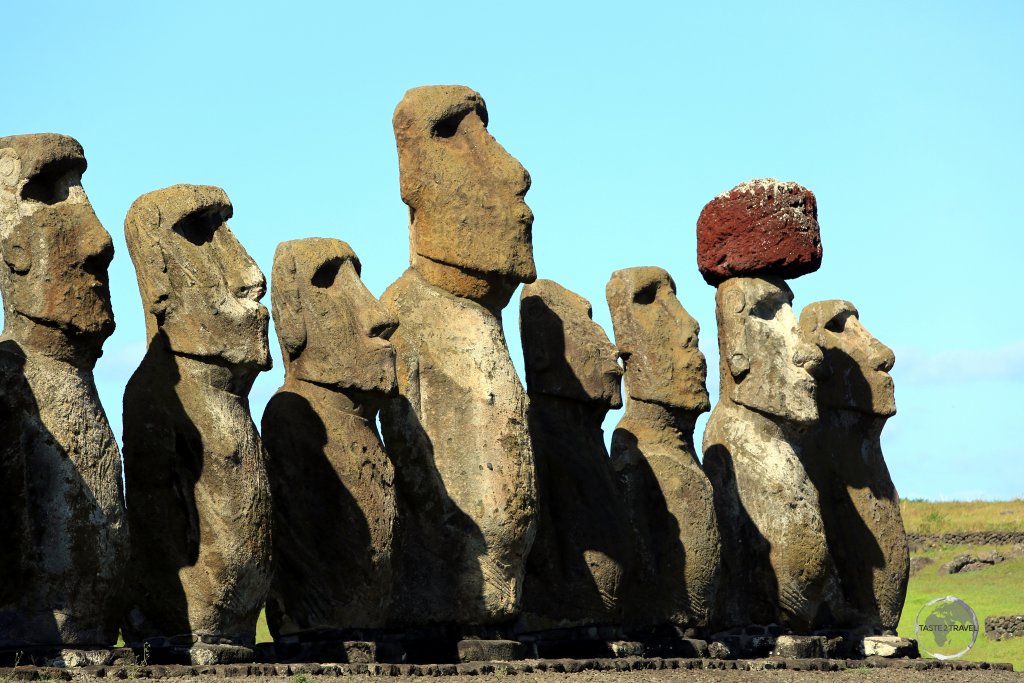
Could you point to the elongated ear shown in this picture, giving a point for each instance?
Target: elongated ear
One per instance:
(17, 256)
(286, 302)
(142, 235)
(10, 167)
(732, 306)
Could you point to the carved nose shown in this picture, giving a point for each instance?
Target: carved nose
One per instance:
(808, 357)
(383, 324)
(882, 357)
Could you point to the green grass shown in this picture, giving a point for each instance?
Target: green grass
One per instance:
(992, 591)
(926, 517)
(262, 630)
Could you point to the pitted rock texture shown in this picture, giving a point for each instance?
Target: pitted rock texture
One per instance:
(579, 565)
(668, 497)
(759, 228)
(457, 432)
(63, 527)
(464, 467)
(195, 469)
(843, 456)
(332, 483)
(776, 544)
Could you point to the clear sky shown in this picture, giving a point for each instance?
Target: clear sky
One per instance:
(905, 119)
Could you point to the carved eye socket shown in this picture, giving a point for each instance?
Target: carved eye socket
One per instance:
(449, 125)
(836, 324)
(326, 274)
(198, 228)
(646, 295)
(763, 310)
(53, 181)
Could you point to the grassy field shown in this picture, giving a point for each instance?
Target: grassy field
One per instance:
(926, 517)
(990, 592)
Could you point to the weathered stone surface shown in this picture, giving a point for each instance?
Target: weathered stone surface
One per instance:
(889, 646)
(474, 650)
(759, 228)
(195, 469)
(578, 566)
(799, 647)
(457, 432)
(332, 483)
(63, 530)
(776, 546)
(860, 506)
(667, 494)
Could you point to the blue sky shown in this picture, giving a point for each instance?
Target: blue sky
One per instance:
(904, 119)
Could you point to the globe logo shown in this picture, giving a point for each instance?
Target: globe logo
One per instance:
(946, 628)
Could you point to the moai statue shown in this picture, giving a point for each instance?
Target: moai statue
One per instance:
(775, 559)
(332, 483)
(577, 569)
(195, 469)
(457, 432)
(667, 494)
(64, 533)
(860, 507)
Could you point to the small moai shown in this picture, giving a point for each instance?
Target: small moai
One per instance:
(63, 526)
(578, 567)
(195, 469)
(332, 483)
(860, 506)
(668, 497)
(457, 432)
(775, 558)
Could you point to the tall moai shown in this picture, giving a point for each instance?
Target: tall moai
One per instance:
(332, 483)
(457, 431)
(774, 553)
(63, 530)
(667, 495)
(860, 506)
(578, 567)
(195, 469)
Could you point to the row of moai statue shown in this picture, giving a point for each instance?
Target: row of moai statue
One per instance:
(492, 511)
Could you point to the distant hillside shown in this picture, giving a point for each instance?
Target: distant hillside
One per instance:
(927, 517)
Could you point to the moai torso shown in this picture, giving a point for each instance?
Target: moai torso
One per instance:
(775, 549)
(578, 567)
(457, 432)
(860, 506)
(65, 532)
(199, 501)
(333, 484)
(668, 497)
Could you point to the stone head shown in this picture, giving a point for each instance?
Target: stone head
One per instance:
(199, 287)
(332, 330)
(657, 340)
(55, 250)
(765, 363)
(464, 191)
(567, 354)
(855, 371)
